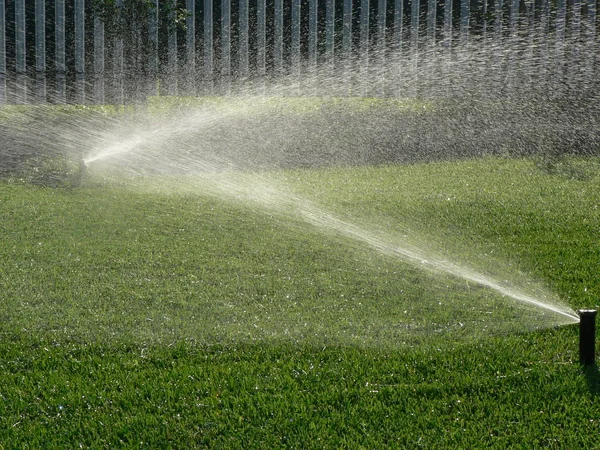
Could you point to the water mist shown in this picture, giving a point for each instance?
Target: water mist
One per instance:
(445, 108)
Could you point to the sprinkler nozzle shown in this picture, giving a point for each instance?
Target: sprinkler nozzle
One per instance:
(587, 336)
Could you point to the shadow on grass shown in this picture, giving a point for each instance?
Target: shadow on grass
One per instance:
(592, 376)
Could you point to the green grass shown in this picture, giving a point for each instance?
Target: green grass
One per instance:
(147, 318)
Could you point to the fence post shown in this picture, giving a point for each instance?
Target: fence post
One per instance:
(3, 84)
(465, 22)
(381, 45)
(153, 53)
(225, 46)
(312, 35)
(575, 41)
(591, 39)
(261, 39)
(80, 51)
(347, 42)
(118, 89)
(208, 45)
(59, 51)
(415, 13)
(398, 43)
(364, 46)
(431, 21)
(172, 64)
(330, 33)
(40, 51)
(381, 31)
(190, 47)
(278, 38)
(20, 61)
(448, 24)
(296, 38)
(561, 17)
(98, 60)
(243, 40)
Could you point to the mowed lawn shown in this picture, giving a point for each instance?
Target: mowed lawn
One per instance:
(152, 315)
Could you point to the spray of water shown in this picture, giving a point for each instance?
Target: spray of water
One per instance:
(158, 150)
(446, 106)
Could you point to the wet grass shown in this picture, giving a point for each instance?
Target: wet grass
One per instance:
(162, 320)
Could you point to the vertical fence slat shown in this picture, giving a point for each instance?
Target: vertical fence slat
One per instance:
(591, 39)
(295, 37)
(261, 37)
(448, 24)
(153, 50)
(364, 47)
(20, 36)
(225, 38)
(98, 60)
(499, 21)
(415, 16)
(60, 51)
(243, 50)
(575, 43)
(513, 21)
(561, 16)
(415, 13)
(153, 39)
(398, 24)
(381, 28)
(80, 51)
(465, 21)
(364, 31)
(561, 26)
(431, 20)
(190, 47)
(2, 38)
(531, 30)
(118, 66)
(485, 25)
(172, 57)
(80, 36)
(40, 50)
(278, 38)
(576, 32)
(312, 34)
(544, 32)
(381, 43)
(514, 17)
(3, 84)
(208, 45)
(576, 25)
(447, 43)
(592, 7)
(40, 36)
(347, 33)
(330, 32)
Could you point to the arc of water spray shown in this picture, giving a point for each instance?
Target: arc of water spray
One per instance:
(260, 190)
(419, 256)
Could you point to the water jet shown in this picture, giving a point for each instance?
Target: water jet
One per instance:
(587, 336)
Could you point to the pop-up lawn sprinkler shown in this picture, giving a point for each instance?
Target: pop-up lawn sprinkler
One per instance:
(587, 336)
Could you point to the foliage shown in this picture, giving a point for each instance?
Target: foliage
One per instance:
(129, 21)
(123, 17)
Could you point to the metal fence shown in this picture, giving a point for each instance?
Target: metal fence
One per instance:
(72, 51)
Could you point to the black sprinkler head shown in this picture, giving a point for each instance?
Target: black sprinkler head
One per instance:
(587, 336)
